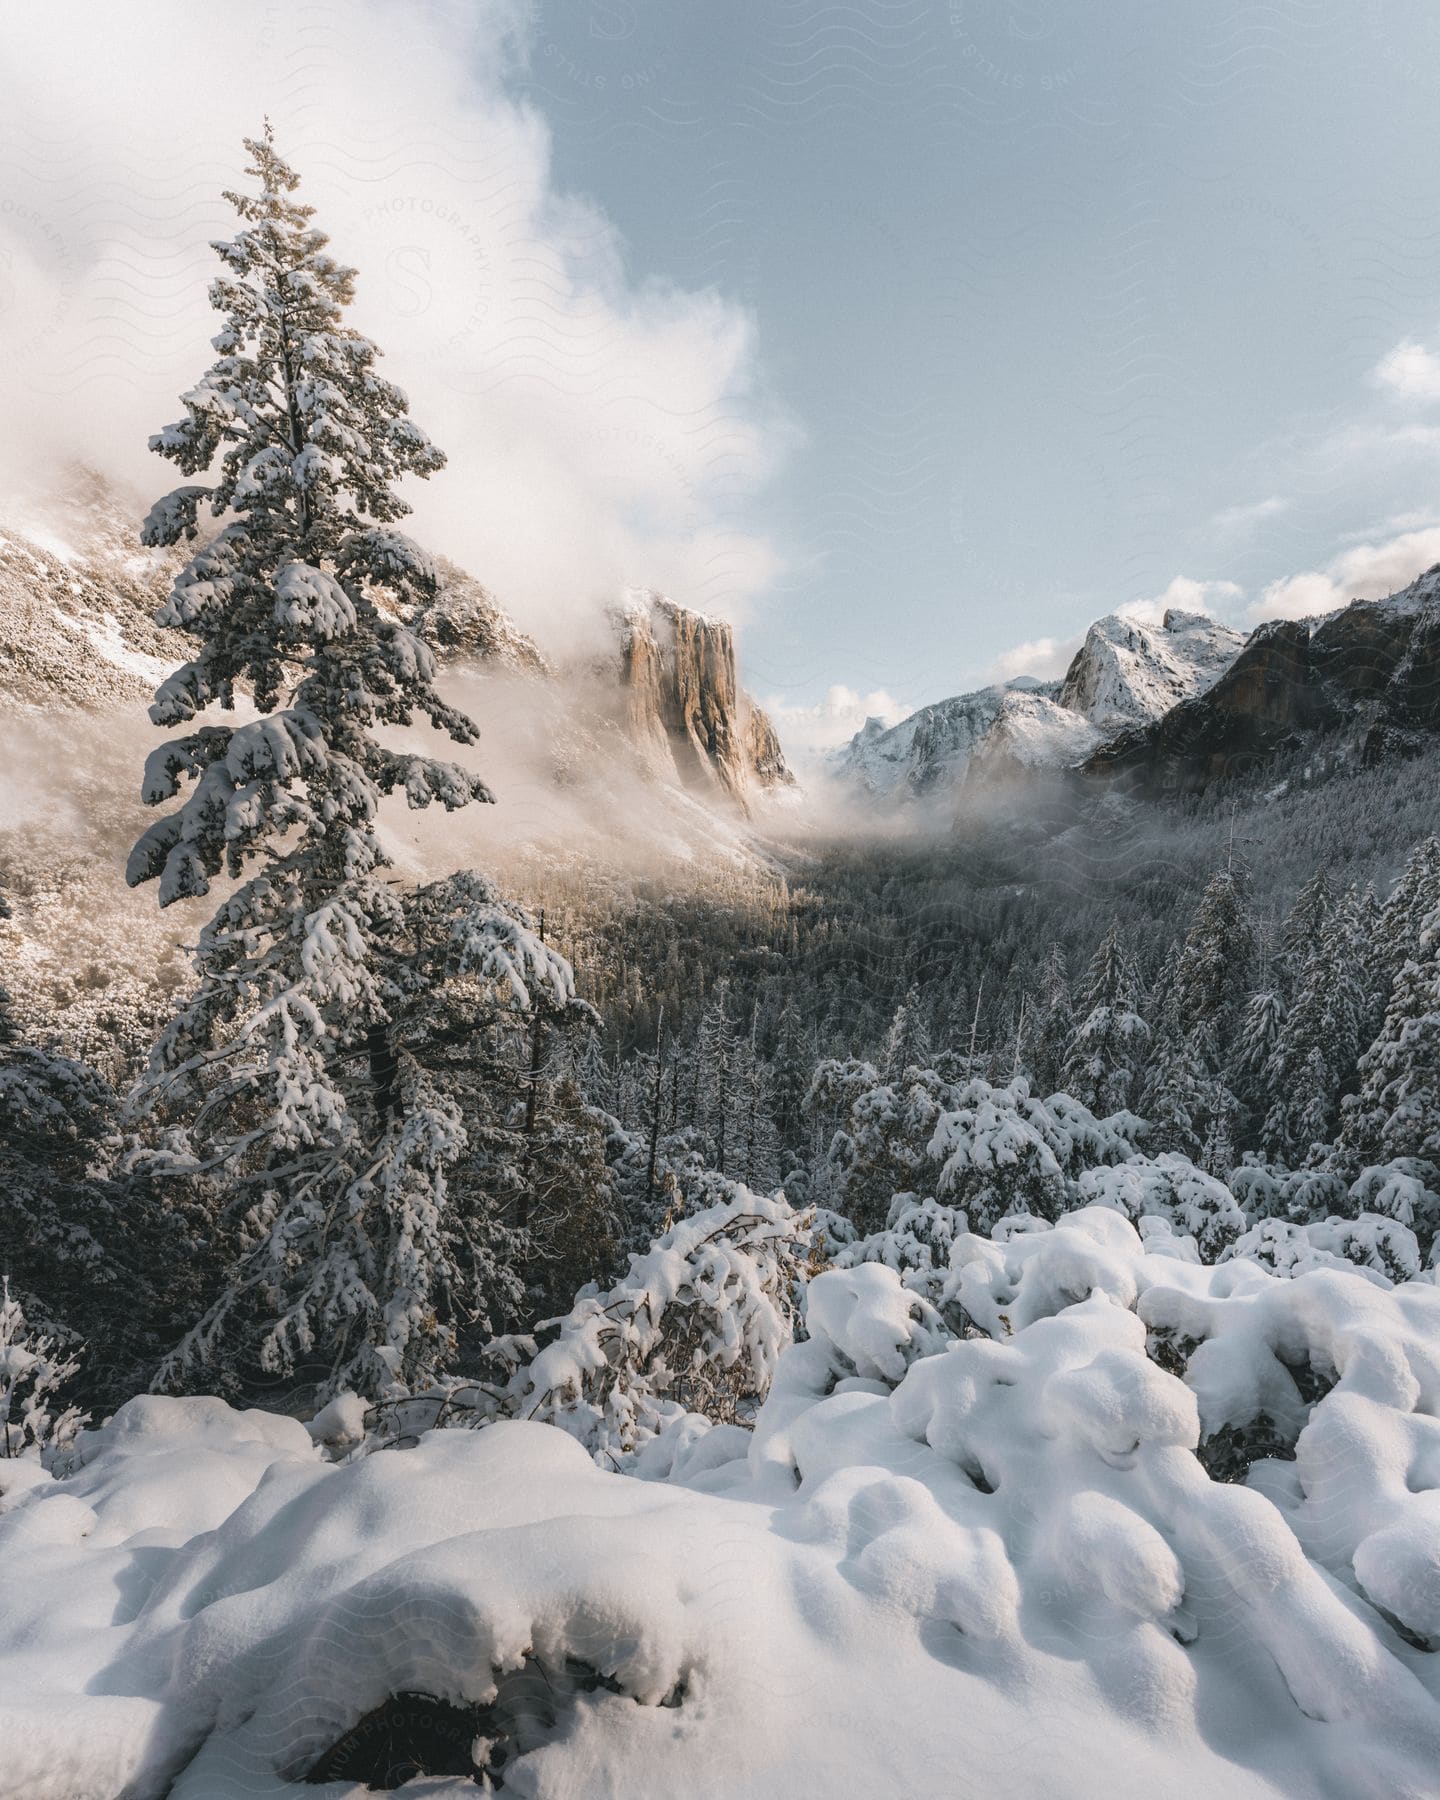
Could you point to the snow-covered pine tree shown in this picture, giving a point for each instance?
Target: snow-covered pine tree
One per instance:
(577, 1227)
(1314, 1056)
(714, 1074)
(280, 1068)
(1397, 1110)
(1412, 899)
(789, 1076)
(1303, 927)
(56, 1213)
(87, 1255)
(1110, 1038)
(1181, 1095)
(33, 1371)
(1213, 976)
(594, 1071)
(1217, 1153)
(1254, 1063)
(755, 1150)
(1052, 1024)
(1367, 925)
(907, 1041)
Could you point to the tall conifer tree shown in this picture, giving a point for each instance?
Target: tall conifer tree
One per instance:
(283, 1070)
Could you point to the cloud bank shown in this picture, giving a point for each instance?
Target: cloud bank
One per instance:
(808, 731)
(1363, 572)
(602, 430)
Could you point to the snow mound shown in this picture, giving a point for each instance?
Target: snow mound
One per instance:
(1000, 1550)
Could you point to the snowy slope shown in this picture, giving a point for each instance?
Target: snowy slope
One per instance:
(1124, 674)
(1033, 731)
(994, 1568)
(77, 600)
(927, 750)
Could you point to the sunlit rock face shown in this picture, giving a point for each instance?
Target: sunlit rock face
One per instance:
(78, 599)
(683, 706)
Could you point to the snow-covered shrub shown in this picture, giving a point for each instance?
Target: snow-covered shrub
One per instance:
(870, 1326)
(1382, 1248)
(1002, 1151)
(34, 1420)
(1404, 1190)
(696, 1325)
(1170, 1187)
(915, 1242)
(957, 1535)
(1270, 1191)
(881, 1132)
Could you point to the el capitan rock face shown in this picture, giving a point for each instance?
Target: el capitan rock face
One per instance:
(682, 704)
(1369, 673)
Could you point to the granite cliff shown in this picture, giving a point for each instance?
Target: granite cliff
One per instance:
(683, 706)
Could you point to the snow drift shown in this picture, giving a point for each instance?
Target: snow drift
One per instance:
(991, 1562)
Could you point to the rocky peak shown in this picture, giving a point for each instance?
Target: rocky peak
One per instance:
(465, 620)
(683, 706)
(1127, 673)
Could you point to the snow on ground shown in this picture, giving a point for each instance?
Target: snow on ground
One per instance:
(991, 1565)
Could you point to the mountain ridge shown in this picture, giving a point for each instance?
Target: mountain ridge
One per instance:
(1365, 675)
(1125, 672)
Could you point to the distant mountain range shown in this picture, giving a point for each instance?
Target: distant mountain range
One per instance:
(1176, 707)
(1365, 679)
(1161, 708)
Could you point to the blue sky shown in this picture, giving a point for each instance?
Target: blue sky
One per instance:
(1063, 301)
(913, 334)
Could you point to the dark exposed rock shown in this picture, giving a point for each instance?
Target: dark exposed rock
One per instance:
(411, 1735)
(465, 621)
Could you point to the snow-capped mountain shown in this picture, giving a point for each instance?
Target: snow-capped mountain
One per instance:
(1125, 674)
(1366, 676)
(927, 750)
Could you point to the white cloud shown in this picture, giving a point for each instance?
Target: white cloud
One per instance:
(807, 730)
(1411, 371)
(602, 430)
(1363, 572)
(1045, 659)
